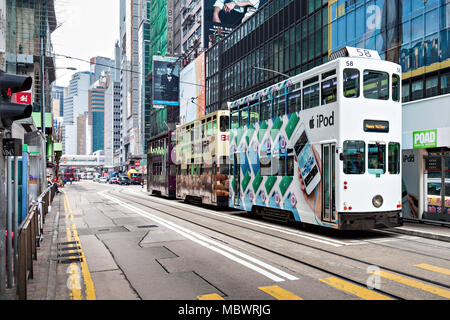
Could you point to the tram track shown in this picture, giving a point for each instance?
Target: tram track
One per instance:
(128, 197)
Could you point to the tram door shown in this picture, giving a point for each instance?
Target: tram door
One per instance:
(328, 182)
(237, 179)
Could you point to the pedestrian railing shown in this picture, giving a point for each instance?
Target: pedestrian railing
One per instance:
(29, 235)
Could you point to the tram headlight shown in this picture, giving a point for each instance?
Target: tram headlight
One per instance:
(377, 201)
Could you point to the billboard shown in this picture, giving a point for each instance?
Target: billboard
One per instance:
(166, 81)
(192, 90)
(222, 16)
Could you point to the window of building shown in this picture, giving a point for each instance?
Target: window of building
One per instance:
(445, 83)
(431, 86)
(405, 92)
(417, 90)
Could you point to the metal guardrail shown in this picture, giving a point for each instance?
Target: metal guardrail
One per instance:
(29, 235)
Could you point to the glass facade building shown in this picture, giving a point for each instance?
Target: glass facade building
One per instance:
(292, 36)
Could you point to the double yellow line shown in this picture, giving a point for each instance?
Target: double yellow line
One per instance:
(72, 233)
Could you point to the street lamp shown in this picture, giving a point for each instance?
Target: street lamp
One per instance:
(270, 70)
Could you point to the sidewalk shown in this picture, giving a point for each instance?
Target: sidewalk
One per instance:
(43, 284)
(430, 231)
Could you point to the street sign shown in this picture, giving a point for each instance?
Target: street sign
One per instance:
(12, 147)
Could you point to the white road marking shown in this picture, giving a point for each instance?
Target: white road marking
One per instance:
(324, 240)
(211, 244)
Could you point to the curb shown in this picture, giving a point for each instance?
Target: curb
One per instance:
(422, 234)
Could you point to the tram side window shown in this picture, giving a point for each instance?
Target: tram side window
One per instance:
(265, 108)
(279, 104)
(234, 120)
(354, 157)
(394, 158)
(294, 101)
(376, 157)
(311, 96)
(395, 87)
(329, 91)
(376, 85)
(224, 123)
(243, 120)
(266, 166)
(351, 83)
(254, 113)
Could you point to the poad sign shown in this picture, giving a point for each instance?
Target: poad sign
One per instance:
(425, 139)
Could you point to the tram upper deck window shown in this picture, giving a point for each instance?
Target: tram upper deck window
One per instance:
(351, 83)
(354, 157)
(279, 104)
(396, 87)
(254, 113)
(224, 123)
(329, 87)
(294, 99)
(376, 85)
(234, 120)
(377, 158)
(266, 108)
(311, 93)
(243, 119)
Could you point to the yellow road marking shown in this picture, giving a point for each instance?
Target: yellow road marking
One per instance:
(415, 284)
(433, 268)
(88, 283)
(212, 296)
(279, 293)
(358, 291)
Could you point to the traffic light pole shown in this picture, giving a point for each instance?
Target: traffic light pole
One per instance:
(43, 103)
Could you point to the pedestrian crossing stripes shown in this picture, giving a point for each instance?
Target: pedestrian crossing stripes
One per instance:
(280, 293)
(356, 290)
(415, 284)
(433, 268)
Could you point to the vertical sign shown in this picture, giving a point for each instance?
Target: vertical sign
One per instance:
(166, 81)
(170, 26)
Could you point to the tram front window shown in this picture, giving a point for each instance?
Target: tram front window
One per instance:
(354, 155)
(376, 85)
(377, 158)
(224, 123)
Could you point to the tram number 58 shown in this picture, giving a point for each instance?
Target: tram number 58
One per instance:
(364, 53)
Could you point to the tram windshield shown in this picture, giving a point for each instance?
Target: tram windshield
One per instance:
(377, 158)
(354, 157)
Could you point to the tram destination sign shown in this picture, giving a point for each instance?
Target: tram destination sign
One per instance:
(376, 126)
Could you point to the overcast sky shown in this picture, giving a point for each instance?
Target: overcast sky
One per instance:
(88, 28)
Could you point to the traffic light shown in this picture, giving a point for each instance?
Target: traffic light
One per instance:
(10, 112)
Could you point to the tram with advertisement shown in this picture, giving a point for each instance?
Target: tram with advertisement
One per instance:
(202, 160)
(161, 167)
(322, 147)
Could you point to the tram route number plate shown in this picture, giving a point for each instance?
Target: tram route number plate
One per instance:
(12, 147)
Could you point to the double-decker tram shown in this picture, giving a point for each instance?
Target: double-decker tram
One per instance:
(322, 147)
(161, 167)
(202, 159)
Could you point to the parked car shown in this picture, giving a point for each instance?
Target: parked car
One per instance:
(114, 180)
(95, 179)
(124, 180)
(103, 180)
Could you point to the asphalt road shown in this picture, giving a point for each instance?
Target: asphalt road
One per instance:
(134, 246)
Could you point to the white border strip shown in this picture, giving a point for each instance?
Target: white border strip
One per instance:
(211, 244)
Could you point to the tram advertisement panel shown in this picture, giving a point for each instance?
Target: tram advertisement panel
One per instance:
(280, 163)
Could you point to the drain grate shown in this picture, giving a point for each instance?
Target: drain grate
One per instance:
(70, 260)
(147, 226)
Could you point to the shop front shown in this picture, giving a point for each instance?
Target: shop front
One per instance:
(426, 159)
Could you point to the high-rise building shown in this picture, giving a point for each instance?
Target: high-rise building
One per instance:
(101, 64)
(57, 101)
(97, 112)
(76, 102)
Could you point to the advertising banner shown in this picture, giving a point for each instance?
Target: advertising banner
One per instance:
(166, 81)
(222, 16)
(192, 90)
